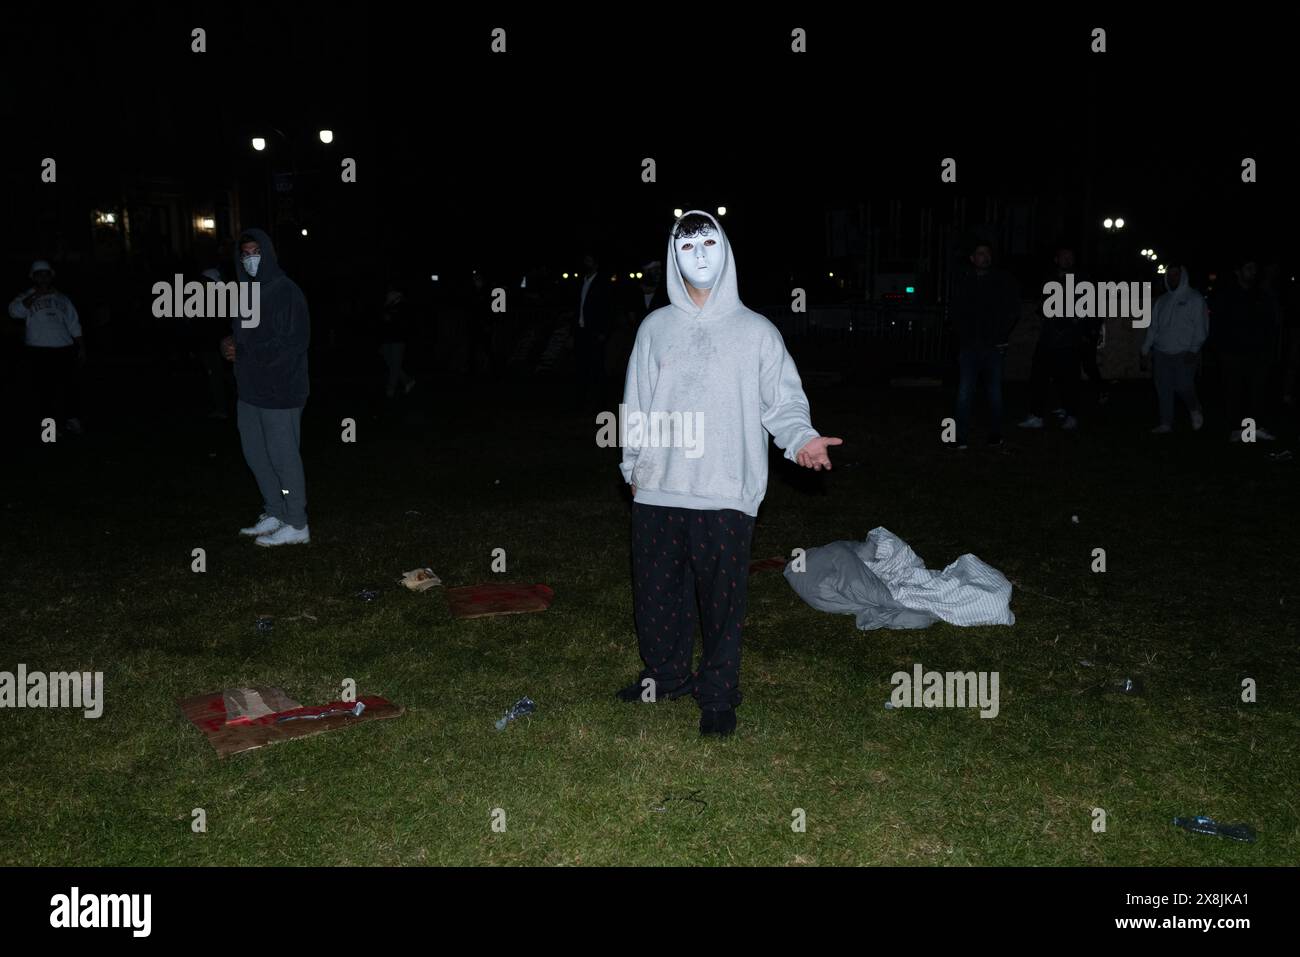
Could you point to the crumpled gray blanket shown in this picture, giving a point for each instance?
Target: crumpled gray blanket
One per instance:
(884, 584)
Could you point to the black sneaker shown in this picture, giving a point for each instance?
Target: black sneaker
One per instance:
(631, 693)
(634, 691)
(718, 723)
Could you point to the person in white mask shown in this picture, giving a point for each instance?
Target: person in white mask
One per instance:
(712, 379)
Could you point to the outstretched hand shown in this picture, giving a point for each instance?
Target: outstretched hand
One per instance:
(813, 455)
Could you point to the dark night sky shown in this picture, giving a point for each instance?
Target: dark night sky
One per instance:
(537, 153)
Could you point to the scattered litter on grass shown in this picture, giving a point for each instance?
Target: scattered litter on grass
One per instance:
(355, 711)
(226, 718)
(263, 623)
(368, 594)
(693, 798)
(481, 601)
(420, 579)
(1207, 825)
(245, 705)
(517, 710)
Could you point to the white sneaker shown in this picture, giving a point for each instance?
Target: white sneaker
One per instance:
(1070, 423)
(285, 535)
(1161, 430)
(1264, 435)
(1033, 422)
(266, 524)
(1198, 420)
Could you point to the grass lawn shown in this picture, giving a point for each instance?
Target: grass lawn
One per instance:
(1201, 592)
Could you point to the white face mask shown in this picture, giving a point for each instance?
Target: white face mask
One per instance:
(251, 263)
(700, 258)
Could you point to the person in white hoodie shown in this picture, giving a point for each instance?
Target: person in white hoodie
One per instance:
(1178, 329)
(707, 381)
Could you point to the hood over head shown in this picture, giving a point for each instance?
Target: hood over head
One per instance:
(268, 269)
(1182, 280)
(723, 296)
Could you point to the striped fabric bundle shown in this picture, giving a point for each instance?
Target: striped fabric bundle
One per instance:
(967, 592)
(884, 584)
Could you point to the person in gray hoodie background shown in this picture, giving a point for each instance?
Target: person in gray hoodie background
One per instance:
(271, 380)
(707, 381)
(1179, 327)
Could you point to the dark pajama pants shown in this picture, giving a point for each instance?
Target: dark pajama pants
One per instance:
(1059, 365)
(688, 565)
(54, 385)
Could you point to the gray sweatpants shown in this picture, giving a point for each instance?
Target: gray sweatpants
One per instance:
(270, 441)
(1175, 374)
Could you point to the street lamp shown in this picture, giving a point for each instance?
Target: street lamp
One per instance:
(1108, 223)
(722, 211)
(677, 213)
(327, 136)
(259, 143)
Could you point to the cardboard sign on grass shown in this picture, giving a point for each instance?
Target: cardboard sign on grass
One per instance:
(207, 712)
(480, 601)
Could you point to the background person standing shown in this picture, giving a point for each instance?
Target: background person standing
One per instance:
(271, 378)
(55, 351)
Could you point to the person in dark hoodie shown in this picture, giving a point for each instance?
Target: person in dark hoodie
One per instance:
(1245, 335)
(985, 308)
(394, 332)
(1056, 357)
(593, 320)
(271, 382)
(707, 382)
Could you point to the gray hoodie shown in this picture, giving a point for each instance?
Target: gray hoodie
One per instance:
(706, 385)
(1181, 320)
